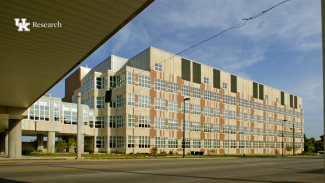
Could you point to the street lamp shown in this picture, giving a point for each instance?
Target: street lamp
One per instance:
(184, 128)
(283, 136)
(293, 138)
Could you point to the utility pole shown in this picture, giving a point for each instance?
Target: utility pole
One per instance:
(79, 127)
(283, 136)
(323, 45)
(184, 128)
(293, 138)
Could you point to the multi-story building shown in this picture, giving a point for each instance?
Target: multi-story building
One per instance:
(223, 112)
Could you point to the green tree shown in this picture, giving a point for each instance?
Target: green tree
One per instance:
(289, 148)
(61, 146)
(154, 150)
(71, 143)
(33, 140)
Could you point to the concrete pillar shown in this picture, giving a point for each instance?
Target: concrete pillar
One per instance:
(2, 143)
(82, 143)
(40, 139)
(51, 142)
(14, 138)
(6, 142)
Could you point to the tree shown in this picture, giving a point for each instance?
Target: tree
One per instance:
(289, 148)
(33, 140)
(71, 144)
(154, 150)
(61, 146)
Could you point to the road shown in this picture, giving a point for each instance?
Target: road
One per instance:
(267, 170)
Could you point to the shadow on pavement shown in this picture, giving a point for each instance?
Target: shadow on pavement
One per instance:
(316, 171)
(2, 180)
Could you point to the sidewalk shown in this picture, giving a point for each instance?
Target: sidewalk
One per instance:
(5, 158)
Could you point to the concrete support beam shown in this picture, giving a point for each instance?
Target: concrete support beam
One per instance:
(6, 142)
(82, 143)
(14, 138)
(51, 142)
(2, 143)
(40, 139)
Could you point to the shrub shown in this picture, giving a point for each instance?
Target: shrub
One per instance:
(154, 150)
(163, 153)
(27, 151)
(61, 146)
(289, 148)
(171, 153)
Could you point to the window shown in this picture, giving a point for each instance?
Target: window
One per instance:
(225, 114)
(112, 121)
(120, 141)
(40, 110)
(120, 100)
(287, 112)
(241, 116)
(216, 112)
(130, 141)
(207, 143)
(260, 144)
(224, 85)
(261, 119)
(130, 99)
(225, 99)
(144, 101)
(187, 107)
(260, 132)
(255, 105)
(255, 131)
(144, 141)
(233, 100)
(248, 104)
(207, 127)
(241, 143)
(267, 132)
(233, 115)
(206, 80)
(69, 115)
(100, 102)
(172, 87)
(207, 95)
(120, 80)
(88, 86)
(112, 141)
(277, 100)
(120, 121)
(255, 144)
(144, 121)
(272, 109)
(130, 78)
(295, 114)
(255, 118)
(172, 124)
(241, 130)
(187, 125)
(225, 144)
(73, 99)
(160, 142)
(272, 144)
(233, 129)
(282, 111)
(144, 81)
(248, 117)
(261, 106)
(266, 97)
(57, 111)
(196, 109)
(216, 97)
(196, 126)
(248, 144)
(196, 92)
(101, 142)
(172, 106)
(272, 133)
(277, 109)
(196, 143)
(216, 128)
(160, 84)
(299, 106)
(216, 143)
(158, 67)
(291, 113)
(89, 142)
(131, 120)
(267, 108)
(271, 121)
(186, 90)
(248, 131)
(225, 129)
(160, 123)
(241, 102)
(233, 143)
(112, 81)
(187, 143)
(160, 104)
(267, 120)
(207, 111)
(172, 142)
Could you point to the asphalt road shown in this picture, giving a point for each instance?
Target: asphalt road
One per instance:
(268, 170)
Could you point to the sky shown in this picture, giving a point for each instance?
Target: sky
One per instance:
(281, 49)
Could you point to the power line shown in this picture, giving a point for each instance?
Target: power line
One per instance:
(233, 27)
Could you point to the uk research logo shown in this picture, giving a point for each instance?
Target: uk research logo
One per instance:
(22, 25)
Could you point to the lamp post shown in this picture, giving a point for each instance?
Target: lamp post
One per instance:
(79, 144)
(283, 136)
(184, 128)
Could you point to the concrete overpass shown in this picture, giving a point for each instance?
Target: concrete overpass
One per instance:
(60, 35)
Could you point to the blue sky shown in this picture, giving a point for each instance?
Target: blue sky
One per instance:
(281, 48)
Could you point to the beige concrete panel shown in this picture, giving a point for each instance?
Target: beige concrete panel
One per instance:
(49, 126)
(27, 125)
